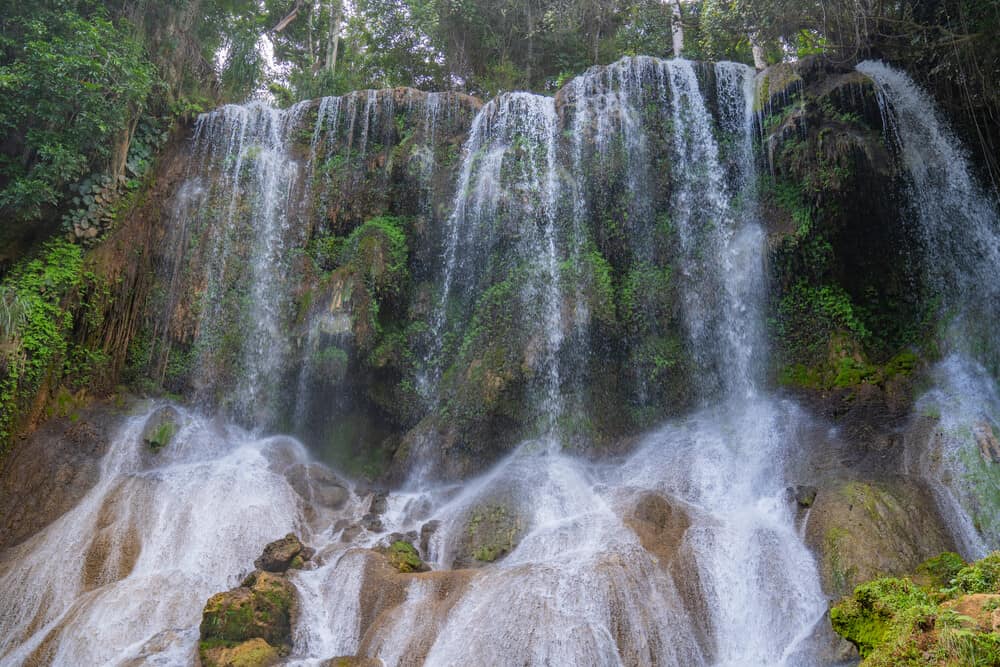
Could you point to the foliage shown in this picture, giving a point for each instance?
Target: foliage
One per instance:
(898, 622)
(68, 86)
(42, 287)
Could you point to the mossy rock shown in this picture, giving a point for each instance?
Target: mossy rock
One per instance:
(492, 530)
(352, 661)
(281, 554)
(866, 618)
(262, 607)
(861, 530)
(161, 427)
(404, 557)
(252, 653)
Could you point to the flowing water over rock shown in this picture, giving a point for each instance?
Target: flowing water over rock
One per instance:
(958, 225)
(686, 550)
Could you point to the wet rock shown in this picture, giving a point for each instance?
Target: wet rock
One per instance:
(384, 590)
(404, 557)
(864, 530)
(262, 607)
(161, 427)
(492, 530)
(426, 533)
(372, 522)
(379, 503)
(659, 524)
(282, 554)
(805, 495)
(350, 532)
(47, 473)
(252, 653)
(317, 484)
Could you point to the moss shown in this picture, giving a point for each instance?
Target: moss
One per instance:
(491, 532)
(261, 608)
(404, 557)
(941, 570)
(865, 619)
(162, 435)
(896, 622)
(980, 577)
(839, 572)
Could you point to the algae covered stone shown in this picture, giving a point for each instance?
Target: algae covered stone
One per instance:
(404, 557)
(492, 530)
(161, 427)
(262, 607)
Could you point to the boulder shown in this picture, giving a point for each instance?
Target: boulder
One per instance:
(317, 484)
(805, 495)
(352, 661)
(280, 555)
(492, 530)
(262, 607)
(659, 524)
(404, 557)
(161, 427)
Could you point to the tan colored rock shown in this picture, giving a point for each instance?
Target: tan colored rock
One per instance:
(659, 524)
(252, 653)
(989, 447)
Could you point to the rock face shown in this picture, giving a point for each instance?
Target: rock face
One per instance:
(659, 524)
(863, 530)
(492, 530)
(48, 472)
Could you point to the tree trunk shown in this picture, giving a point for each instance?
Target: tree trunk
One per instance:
(677, 28)
(333, 36)
(759, 61)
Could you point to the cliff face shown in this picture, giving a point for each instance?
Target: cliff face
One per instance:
(363, 271)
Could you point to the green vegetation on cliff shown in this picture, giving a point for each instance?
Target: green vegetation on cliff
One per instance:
(948, 614)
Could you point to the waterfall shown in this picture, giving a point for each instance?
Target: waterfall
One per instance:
(137, 557)
(505, 202)
(958, 226)
(248, 260)
(682, 551)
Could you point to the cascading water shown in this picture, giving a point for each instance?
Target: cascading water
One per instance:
(684, 552)
(960, 234)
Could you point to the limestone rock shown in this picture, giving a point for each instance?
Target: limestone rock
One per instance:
(317, 484)
(261, 608)
(865, 530)
(251, 653)
(281, 554)
(659, 524)
(492, 530)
